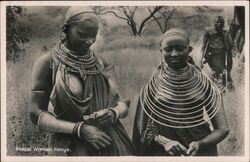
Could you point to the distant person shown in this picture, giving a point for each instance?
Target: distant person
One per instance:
(74, 94)
(216, 50)
(237, 30)
(169, 119)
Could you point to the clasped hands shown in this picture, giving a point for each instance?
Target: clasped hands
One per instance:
(104, 117)
(174, 148)
(92, 133)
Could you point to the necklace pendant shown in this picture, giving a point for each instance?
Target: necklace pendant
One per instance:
(83, 74)
(85, 77)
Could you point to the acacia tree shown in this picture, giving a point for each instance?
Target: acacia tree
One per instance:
(168, 13)
(128, 14)
(163, 17)
(17, 32)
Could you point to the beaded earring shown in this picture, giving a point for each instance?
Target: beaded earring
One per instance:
(65, 29)
(62, 36)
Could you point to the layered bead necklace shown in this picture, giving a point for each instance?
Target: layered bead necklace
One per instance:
(85, 65)
(179, 98)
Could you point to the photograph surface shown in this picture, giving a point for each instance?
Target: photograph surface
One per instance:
(135, 79)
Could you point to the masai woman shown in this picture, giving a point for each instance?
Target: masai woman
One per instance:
(74, 94)
(176, 104)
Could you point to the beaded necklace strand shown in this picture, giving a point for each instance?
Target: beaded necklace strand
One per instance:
(85, 65)
(180, 103)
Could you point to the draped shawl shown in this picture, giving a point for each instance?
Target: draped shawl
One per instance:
(99, 92)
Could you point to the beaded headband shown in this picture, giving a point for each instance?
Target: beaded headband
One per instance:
(79, 14)
(88, 16)
(176, 32)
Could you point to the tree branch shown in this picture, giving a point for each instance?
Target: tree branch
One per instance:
(156, 20)
(156, 9)
(125, 12)
(114, 13)
(133, 12)
(167, 18)
(188, 17)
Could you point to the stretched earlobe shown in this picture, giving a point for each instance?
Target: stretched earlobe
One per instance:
(62, 36)
(190, 49)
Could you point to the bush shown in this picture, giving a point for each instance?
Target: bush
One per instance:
(17, 33)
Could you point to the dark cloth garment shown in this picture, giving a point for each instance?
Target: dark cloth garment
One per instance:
(217, 46)
(98, 93)
(144, 134)
(217, 63)
(239, 12)
(145, 130)
(239, 41)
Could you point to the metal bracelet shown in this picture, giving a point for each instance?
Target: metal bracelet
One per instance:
(79, 129)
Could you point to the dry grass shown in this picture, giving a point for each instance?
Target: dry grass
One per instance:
(134, 66)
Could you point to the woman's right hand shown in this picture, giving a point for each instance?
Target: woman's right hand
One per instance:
(94, 136)
(174, 148)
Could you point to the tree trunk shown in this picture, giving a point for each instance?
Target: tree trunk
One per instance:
(133, 28)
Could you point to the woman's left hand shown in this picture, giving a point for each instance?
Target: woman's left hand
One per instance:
(194, 148)
(105, 117)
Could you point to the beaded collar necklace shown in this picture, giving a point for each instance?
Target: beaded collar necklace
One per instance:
(87, 64)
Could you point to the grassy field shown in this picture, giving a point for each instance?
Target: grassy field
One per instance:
(134, 63)
(134, 60)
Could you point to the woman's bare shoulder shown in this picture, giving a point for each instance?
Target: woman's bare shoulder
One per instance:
(43, 61)
(41, 72)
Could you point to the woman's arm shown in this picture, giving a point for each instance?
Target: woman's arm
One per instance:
(40, 92)
(123, 104)
(41, 87)
(219, 133)
(205, 41)
(121, 109)
(120, 104)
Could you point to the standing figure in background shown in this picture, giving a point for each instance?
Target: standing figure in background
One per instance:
(237, 30)
(169, 119)
(74, 95)
(216, 50)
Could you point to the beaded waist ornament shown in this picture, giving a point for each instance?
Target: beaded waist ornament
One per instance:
(179, 98)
